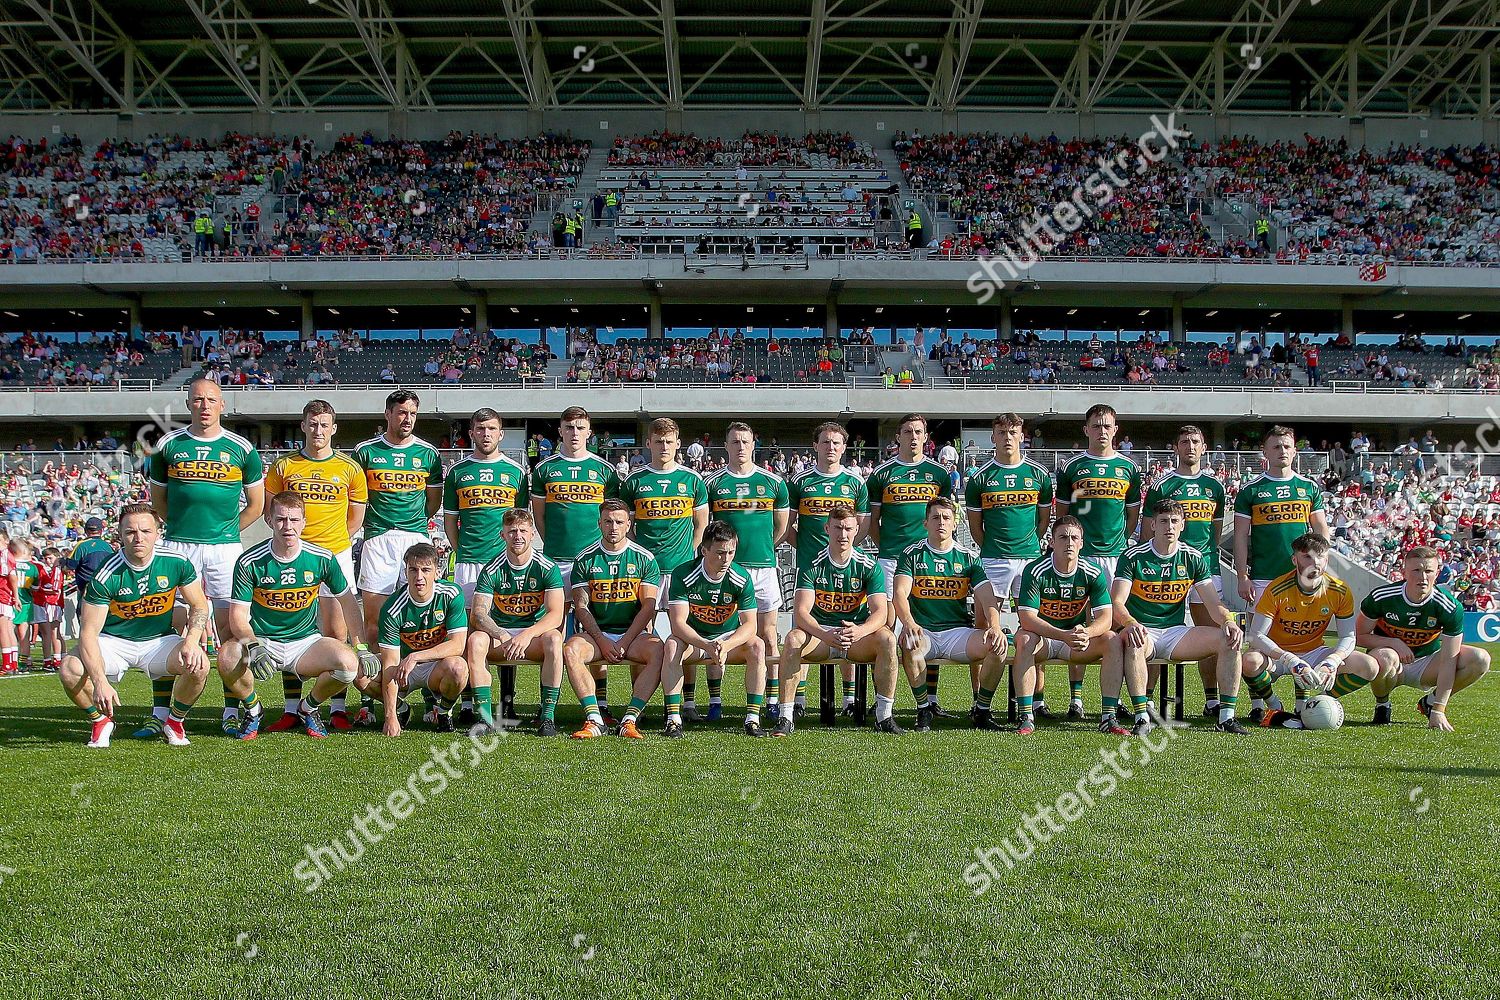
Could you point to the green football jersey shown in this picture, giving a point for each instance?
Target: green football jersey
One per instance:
(1097, 491)
(571, 490)
(663, 504)
(1159, 585)
(941, 584)
(140, 600)
(1278, 510)
(714, 606)
(1063, 601)
(811, 495)
(841, 593)
(283, 594)
(519, 592)
(397, 478)
(614, 580)
(1007, 498)
(1203, 503)
(1420, 626)
(480, 492)
(749, 503)
(28, 572)
(902, 493)
(411, 627)
(204, 479)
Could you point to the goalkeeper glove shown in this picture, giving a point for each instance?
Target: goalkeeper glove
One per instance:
(262, 663)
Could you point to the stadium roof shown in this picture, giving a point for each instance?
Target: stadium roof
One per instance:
(1344, 57)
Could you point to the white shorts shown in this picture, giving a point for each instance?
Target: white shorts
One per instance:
(1005, 577)
(663, 623)
(1257, 587)
(7, 612)
(345, 559)
(214, 563)
(1106, 565)
(43, 613)
(1193, 597)
(288, 653)
(565, 567)
(950, 644)
(381, 569)
(1313, 657)
(888, 567)
(148, 655)
(466, 576)
(420, 677)
(1163, 641)
(1053, 650)
(767, 588)
(1411, 673)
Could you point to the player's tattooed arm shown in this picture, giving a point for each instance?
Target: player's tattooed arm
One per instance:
(197, 620)
(480, 619)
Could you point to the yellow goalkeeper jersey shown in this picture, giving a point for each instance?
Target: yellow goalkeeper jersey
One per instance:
(1298, 621)
(327, 486)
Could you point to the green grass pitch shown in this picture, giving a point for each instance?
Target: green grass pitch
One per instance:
(1354, 864)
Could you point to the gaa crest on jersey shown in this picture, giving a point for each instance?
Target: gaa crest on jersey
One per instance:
(630, 568)
(594, 474)
(162, 582)
(682, 487)
(307, 576)
(760, 491)
(439, 614)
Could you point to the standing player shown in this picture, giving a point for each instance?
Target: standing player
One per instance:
(332, 486)
(1150, 596)
(1415, 629)
(47, 610)
(125, 620)
(1009, 504)
(567, 489)
(274, 620)
(23, 580)
(1201, 494)
(670, 505)
(616, 584)
(1102, 488)
(404, 480)
(935, 579)
(9, 645)
(812, 495)
(711, 605)
(518, 616)
(1064, 611)
(1286, 633)
(424, 630)
(839, 614)
(755, 501)
(198, 476)
(1270, 512)
(900, 489)
(477, 491)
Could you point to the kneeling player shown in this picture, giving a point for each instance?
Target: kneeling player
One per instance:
(1064, 612)
(839, 614)
(1414, 629)
(934, 580)
(517, 618)
(423, 631)
(1286, 634)
(1150, 591)
(274, 621)
(711, 608)
(125, 620)
(615, 587)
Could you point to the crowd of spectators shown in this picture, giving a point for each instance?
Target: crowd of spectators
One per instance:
(1408, 203)
(752, 149)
